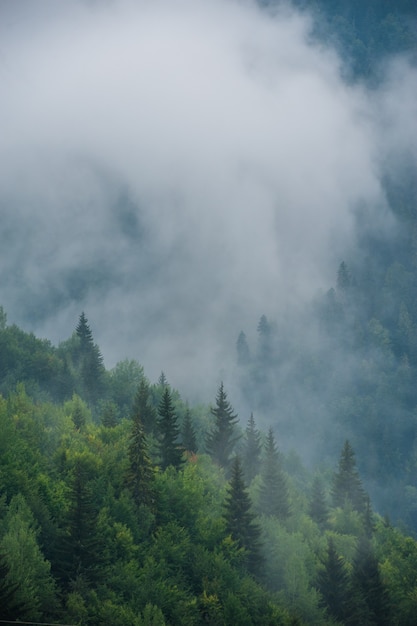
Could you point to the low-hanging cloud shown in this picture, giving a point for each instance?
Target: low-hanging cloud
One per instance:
(176, 170)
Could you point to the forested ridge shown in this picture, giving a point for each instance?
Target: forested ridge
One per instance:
(123, 504)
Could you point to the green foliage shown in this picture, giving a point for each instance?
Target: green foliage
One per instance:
(252, 450)
(273, 496)
(347, 485)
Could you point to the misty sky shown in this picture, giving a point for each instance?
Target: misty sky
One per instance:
(177, 169)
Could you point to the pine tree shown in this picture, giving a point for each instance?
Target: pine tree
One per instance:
(318, 509)
(265, 340)
(252, 450)
(369, 598)
(273, 497)
(240, 521)
(171, 452)
(221, 440)
(144, 409)
(333, 584)
(347, 485)
(11, 608)
(90, 361)
(189, 441)
(140, 474)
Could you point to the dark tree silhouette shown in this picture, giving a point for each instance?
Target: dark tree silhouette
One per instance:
(222, 439)
(333, 584)
(140, 474)
(347, 485)
(273, 497)
(252, 450)
(240, 520)
(189, 441)
(171, 451)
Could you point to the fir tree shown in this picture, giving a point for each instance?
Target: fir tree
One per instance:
(273, 497)
(240, 520)
(369, 598)
(333, 584)
(221, 440)
(252, 450)
(171, 452)
(90, 361)
(139, 478)
(318, 509)
(143, 408)
(347, 485)
(11, 608)
(189, 441)
(109, 415)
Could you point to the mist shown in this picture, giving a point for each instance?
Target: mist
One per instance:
(178, 169)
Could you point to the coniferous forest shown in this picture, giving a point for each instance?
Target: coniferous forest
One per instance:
(289, 499)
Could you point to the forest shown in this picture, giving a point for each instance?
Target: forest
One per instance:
(121, 504)
(289, 499)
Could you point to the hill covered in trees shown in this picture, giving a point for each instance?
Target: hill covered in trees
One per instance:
(122, 504)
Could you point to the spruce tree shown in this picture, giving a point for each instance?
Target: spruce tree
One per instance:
(11, 608)
(143, 408)
(189, 441)
(221, 440)
(347, 485)
(369, 604)
(333, 584)
(273, 496)
(89, 360)
(240, 520)
(252, 450)
(171, 451)
(243, 354)
(139, 478)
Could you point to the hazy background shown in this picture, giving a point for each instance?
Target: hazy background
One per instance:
(177, 169)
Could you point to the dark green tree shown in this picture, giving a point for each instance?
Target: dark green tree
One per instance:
(273, 496)
(369, 604)
(143, 408)
(89, 361)
(82, 548)
(140, 474)
(333, 584)
(170, 450)
(222, 439)
(318, 509)
(252, 450)
(189, 441)
(109, 415)
(240, 520)
(347, 485)
(10, 606)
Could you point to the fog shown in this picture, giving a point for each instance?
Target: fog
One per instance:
(177, 169)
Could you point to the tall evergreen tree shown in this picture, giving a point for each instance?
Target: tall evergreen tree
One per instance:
(11, 608)
(318, 509)
(143, 408)
(333, 584)
(240, 520)
(273, 496)
(90, 361)
(252, 450)
(171, 451)
(189, 441)
(370, 604)
(347, 485)
(140, 474)
(222, 439)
